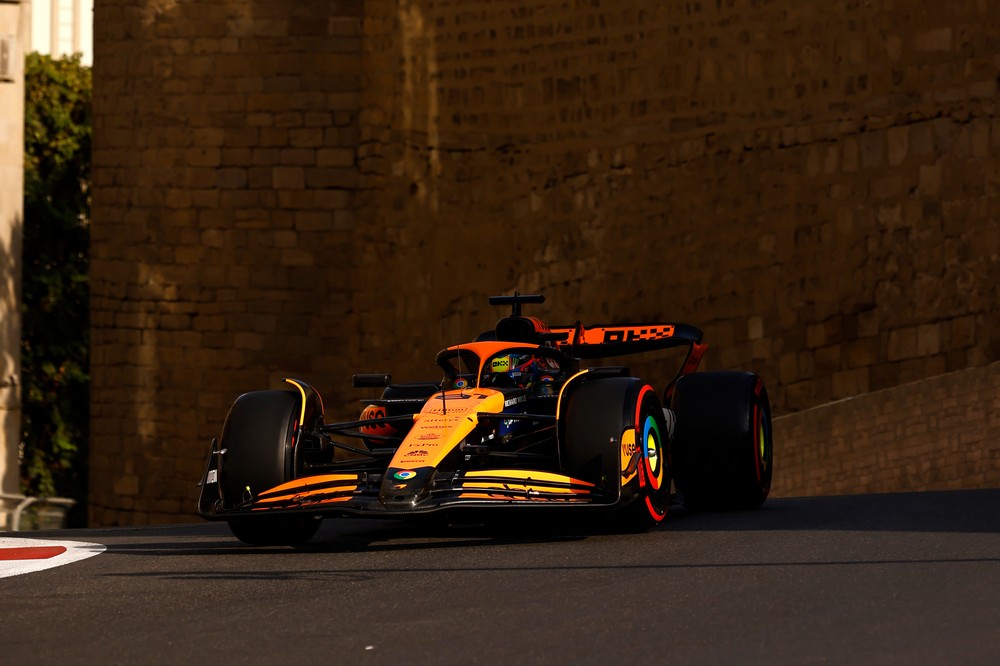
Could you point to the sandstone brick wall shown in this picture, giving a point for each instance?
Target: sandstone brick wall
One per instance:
(319, 188)
(224, 143)
(941, 433)
(813, 183)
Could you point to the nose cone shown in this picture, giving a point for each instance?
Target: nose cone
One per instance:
(444, 422)
(405, 488)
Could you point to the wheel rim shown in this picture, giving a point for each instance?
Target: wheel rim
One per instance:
(653, 477)
(761, 447)
(652, 453)
(762, 440)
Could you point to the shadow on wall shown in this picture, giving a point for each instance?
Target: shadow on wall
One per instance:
(10, 354)
(206, 272)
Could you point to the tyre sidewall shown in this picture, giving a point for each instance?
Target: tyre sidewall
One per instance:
(608, 424)
(259, 440)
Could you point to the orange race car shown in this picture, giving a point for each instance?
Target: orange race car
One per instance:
(515, 423)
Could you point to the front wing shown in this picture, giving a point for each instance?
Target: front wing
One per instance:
(357, 493)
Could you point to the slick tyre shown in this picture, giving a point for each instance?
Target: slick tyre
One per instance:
(722, 448)
(259, 442)
(616, 437)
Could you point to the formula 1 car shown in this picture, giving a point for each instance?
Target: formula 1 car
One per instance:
(515, 423)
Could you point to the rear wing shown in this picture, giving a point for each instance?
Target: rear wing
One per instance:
(593, 342)
(604, 341)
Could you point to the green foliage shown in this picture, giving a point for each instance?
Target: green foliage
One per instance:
(55, 335)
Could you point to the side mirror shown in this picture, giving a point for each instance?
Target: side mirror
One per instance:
(372, 380)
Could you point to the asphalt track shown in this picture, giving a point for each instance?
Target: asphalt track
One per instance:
(878, 579)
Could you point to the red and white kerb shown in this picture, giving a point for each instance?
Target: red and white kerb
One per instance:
(21, 556)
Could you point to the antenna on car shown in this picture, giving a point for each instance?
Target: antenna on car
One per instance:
(516, 300)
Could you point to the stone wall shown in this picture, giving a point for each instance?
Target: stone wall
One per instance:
(816, 184)
(224, 147)
(320, 188)
(941, 433)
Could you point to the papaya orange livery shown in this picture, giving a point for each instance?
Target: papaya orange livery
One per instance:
(517, 419)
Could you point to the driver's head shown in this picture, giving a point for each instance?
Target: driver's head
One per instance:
(521, 370)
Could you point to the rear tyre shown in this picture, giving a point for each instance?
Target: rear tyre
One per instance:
(722, 448)
(615, 436)
(259, 443)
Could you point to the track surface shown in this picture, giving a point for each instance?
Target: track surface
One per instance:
(911, 579)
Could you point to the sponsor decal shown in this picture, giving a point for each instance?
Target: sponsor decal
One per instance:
(427, 436)
(452, 409)
(372, 413)
(514, 401)
(636, 333)
(501, 364)
(417, 453)
(630, 457)
(304, 499)
(461, 383)
(404, 474)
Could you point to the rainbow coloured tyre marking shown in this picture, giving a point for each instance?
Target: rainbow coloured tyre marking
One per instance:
(652, 452)
(762, 436)
(762, 445)
(654, 479)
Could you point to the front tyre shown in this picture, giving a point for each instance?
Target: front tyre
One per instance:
(616, 437)
(259, 439)
(722, 448)
(654, 458)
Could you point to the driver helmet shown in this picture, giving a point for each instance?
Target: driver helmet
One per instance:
(522, 370)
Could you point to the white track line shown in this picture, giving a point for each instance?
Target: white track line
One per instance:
(21, 556)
